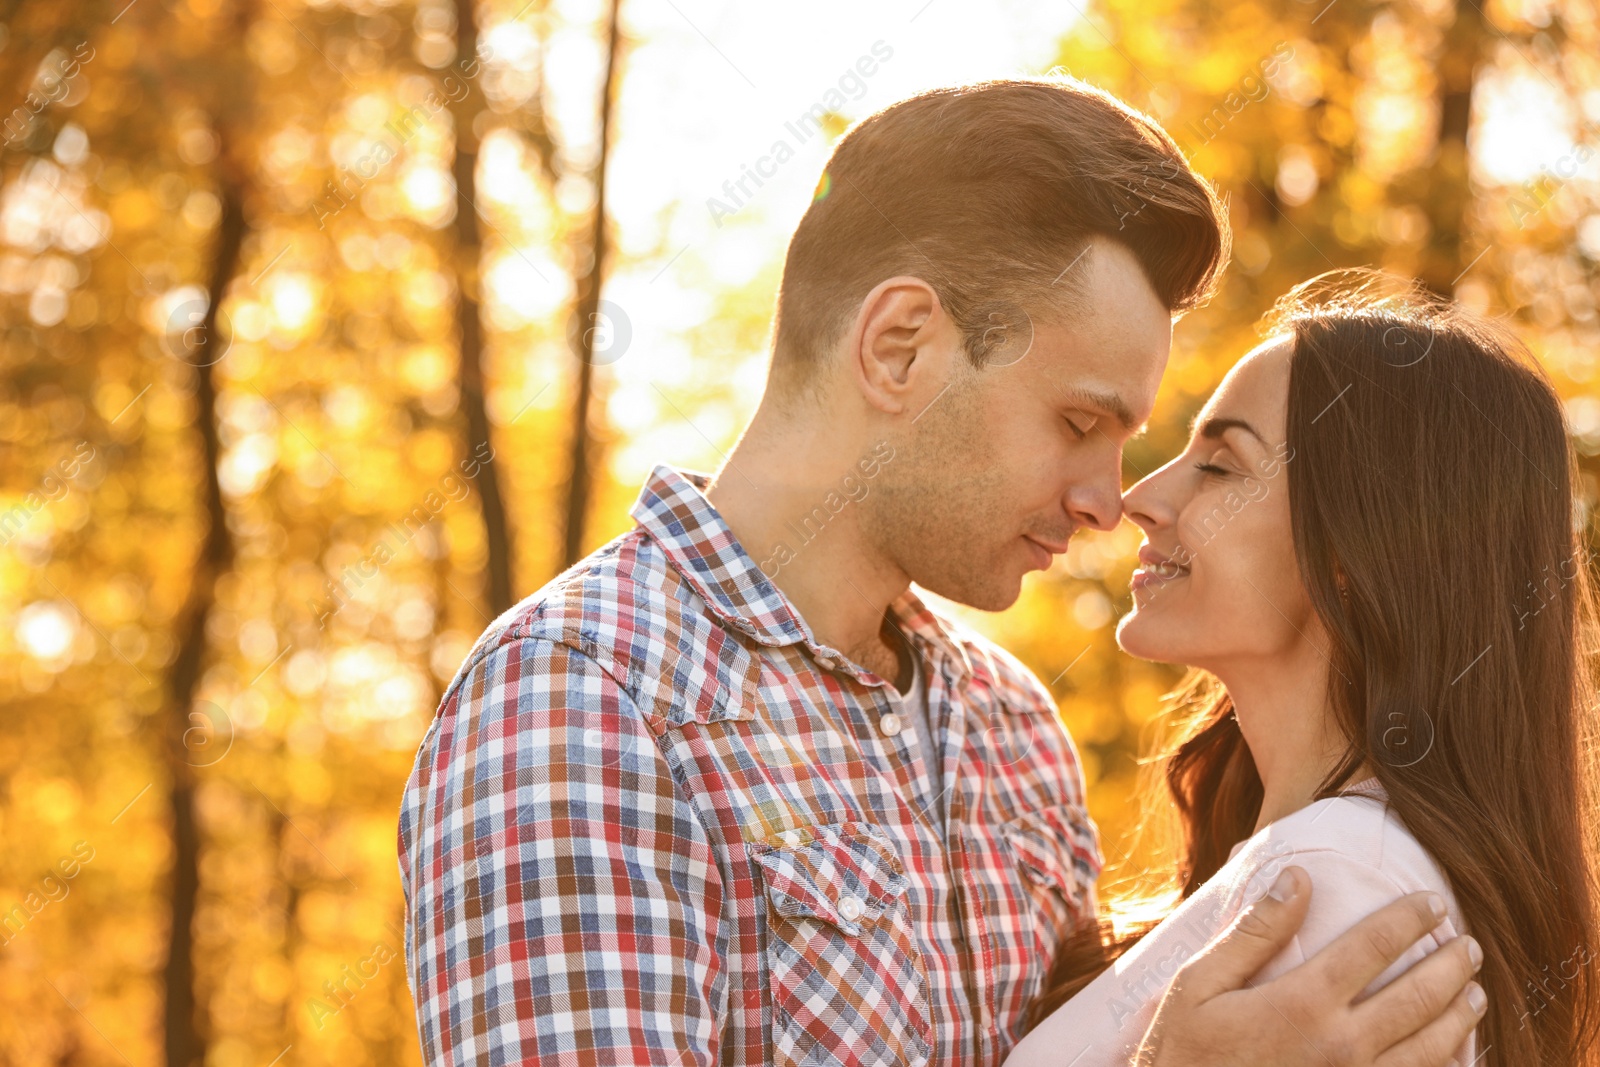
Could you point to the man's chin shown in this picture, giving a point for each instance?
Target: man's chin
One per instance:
(994, 590)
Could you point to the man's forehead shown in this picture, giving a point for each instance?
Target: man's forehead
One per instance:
(1119, 375)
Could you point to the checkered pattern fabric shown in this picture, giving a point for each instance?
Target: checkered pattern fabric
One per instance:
(656, 822)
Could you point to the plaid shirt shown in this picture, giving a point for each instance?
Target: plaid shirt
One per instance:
(656, 822)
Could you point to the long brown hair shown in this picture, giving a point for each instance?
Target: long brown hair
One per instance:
(1432, 503)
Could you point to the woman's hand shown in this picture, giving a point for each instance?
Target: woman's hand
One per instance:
(1213, 1014)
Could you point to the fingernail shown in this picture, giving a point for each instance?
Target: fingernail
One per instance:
(1477, 999)
(1283, 889)
(1474, 952)
(1436, 905)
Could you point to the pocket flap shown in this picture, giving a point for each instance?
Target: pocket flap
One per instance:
(844, 874)
(1058, 847)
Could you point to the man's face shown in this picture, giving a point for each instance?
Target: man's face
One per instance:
(1002, 468)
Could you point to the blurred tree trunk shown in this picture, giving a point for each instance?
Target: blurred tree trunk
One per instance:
(1449, 192)
(468, 263)
(586, 317)
(185, 1027)
(288, 1014)
(186, 1022)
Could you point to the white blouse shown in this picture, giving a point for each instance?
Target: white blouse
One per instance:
(1359, 856)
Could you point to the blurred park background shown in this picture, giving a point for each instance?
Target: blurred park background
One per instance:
(333, 327)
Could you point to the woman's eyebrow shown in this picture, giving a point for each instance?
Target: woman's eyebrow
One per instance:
(1214, 428)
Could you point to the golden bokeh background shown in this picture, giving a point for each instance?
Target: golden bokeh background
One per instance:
(293, 394)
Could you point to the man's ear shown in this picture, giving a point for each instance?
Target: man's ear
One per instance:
(901, 347)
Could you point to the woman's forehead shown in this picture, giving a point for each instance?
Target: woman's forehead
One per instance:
(1258, 385)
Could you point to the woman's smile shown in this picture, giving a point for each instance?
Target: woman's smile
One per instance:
(1155, 568)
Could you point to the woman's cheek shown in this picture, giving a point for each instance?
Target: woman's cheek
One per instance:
(1270, 538)
(1258, 577)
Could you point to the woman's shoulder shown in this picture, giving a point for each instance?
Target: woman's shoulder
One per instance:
(1360, 856)
(1358, 831)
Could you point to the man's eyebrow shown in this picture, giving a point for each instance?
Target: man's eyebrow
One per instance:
(1214, 428)
(1110, 402)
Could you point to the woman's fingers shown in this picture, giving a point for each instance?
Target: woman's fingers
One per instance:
(1435, 1043)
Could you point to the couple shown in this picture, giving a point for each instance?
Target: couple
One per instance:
(684, 807)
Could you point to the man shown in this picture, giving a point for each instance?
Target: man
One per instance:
(727, 792)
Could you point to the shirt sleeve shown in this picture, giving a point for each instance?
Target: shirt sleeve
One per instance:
(562, 896)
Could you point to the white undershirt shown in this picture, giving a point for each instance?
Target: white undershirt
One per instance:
(912, 707)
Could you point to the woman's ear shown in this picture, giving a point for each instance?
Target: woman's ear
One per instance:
(900, 351)
(1340, 581)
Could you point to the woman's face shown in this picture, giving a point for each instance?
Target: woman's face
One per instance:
(1218, 583)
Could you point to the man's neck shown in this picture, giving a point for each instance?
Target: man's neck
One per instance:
(774, 493)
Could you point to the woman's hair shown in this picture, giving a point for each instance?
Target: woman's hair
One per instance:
(1431, 492)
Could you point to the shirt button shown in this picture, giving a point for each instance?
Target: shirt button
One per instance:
(849, 908)
(889, 724)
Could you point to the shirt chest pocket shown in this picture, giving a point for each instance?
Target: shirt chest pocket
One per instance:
(846, 978)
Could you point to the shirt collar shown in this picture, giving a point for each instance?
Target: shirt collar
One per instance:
(672, 508)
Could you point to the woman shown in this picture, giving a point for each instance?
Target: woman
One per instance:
(1368, 554)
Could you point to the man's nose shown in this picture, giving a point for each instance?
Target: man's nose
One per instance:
(1097, 502)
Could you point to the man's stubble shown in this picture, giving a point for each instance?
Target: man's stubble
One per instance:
(940, 511)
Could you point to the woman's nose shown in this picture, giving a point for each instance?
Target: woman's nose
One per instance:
(1150, 503)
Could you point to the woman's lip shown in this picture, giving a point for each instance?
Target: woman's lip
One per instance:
(1151, 558)
(1154, 574)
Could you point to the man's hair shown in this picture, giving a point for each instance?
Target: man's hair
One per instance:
(990, 192)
